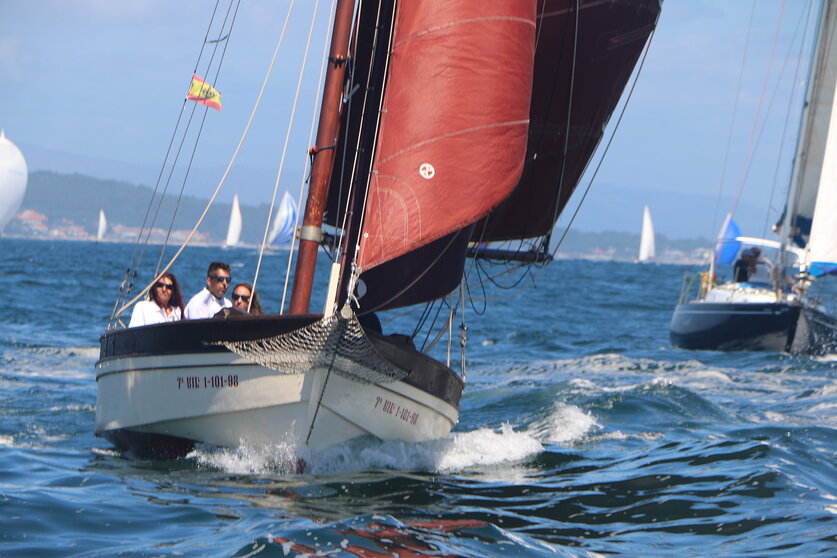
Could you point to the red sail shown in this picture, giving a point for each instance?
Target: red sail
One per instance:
(454, 121)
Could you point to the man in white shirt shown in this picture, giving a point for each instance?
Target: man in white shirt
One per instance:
(211, 299)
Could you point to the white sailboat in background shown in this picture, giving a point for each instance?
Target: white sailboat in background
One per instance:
(647, 246)
(234, 228)
(103, 225)
(282, 231)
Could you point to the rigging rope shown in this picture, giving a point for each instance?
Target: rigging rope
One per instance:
(773, 96)
(529, 266)
(134, 263)
(609, 142)
(311, 131)
(287, 135)
(564, 148)
(220, 184)
(787, 123)
(534, 275)
(732, 122)
(749, 150)
(199, 133)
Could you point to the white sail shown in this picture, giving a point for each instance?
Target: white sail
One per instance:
(234, 229)
(103, 225)
(13, 177)
(814, 131)
(822, 245)
(647, 247)
(282, 231)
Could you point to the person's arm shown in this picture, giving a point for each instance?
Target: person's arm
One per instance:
(137, 316)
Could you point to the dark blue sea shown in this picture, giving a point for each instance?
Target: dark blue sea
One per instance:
(582, 433)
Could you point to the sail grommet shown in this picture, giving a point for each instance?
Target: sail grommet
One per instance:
(427, 171)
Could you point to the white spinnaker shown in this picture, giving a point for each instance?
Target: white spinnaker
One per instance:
(285, 221)
(13, 177)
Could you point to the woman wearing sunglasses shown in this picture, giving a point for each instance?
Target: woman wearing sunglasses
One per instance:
(164, 304)
(245, 297)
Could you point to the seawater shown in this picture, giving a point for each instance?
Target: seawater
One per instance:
(582, 433)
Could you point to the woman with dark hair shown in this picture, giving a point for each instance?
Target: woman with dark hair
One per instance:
(246, 299)
(164, 304)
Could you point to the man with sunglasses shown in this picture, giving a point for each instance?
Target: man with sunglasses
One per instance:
(211, 299)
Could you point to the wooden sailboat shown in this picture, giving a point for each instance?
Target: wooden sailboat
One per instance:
(462, 117)
(769, 306)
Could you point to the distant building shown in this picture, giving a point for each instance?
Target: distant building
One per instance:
(30, 222)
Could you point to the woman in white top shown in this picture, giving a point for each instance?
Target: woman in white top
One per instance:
(164, 304)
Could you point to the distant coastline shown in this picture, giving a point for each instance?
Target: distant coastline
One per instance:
(66, 207)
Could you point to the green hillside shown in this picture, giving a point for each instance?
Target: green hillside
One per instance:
(78, 199)
(67, 199)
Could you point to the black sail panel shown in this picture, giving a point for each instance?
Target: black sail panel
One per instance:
(579, 79)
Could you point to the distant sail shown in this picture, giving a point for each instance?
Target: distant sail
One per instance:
(103, 225)
(726, 248)
(284, 223)
(13, 177)
(234, 229)
(647, 246)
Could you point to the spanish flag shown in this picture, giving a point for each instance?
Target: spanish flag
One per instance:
(203, 93)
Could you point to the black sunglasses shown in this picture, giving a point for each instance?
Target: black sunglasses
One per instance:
(245, 298)
(220, 278)
(161, 285)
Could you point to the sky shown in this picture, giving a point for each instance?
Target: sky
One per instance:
(96, 86)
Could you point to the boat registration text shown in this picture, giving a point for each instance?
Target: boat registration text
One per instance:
(201, 382)
(390, 408)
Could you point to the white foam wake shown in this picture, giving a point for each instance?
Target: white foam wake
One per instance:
(483, 448)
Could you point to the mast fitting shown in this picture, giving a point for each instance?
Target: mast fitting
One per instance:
(312, 233)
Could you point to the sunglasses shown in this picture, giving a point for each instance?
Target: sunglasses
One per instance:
(245, 298)
(220, 278)
(161, 285)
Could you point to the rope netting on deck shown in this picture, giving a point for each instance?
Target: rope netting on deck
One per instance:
(335, 342)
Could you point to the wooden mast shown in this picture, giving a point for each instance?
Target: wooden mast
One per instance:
(328, 129)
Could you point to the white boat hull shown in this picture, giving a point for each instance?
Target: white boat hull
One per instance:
(222, 399)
